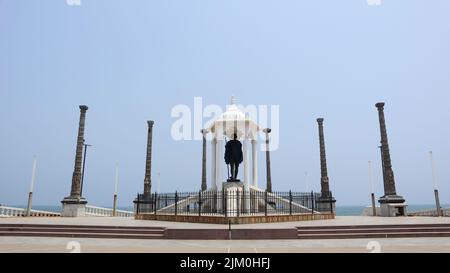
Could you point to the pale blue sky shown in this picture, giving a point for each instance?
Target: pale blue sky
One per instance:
(131, 61)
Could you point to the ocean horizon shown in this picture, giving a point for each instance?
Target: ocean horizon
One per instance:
(340, 210)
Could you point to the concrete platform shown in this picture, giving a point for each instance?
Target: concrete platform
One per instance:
(64, 245)
(44, 244)
(116, 221)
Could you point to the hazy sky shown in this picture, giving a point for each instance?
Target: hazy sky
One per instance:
(131, 61)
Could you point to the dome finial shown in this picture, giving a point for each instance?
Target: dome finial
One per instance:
(233, 100)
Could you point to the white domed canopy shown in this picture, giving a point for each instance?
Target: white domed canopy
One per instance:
(234, 121)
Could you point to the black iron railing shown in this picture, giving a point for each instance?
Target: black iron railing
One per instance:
(234, 203)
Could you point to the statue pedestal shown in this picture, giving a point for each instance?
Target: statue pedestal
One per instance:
(233, 198)
(73, 207)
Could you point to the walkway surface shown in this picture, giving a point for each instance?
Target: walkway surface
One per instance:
(339, 221)
(32, 244)
(64, 245)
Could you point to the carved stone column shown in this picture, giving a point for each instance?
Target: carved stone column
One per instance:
(146, 202)
(326, 202)
(148, 161)
(391, 203)
(204, 183)
(267, 131)
(390, 193)
(75, 205)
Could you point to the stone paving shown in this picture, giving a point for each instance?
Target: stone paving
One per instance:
(59, 245)
(115, 221)
(30, 244)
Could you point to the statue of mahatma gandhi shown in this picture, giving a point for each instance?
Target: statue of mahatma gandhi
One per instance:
(233, 157)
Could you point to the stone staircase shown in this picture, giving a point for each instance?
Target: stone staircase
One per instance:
(82, 231)
(373, 231)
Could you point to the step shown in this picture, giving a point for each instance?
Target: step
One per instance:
(374, 230)
(83, 235)
(90, 230)
(371, 226)
(82, 226)
(373, 235)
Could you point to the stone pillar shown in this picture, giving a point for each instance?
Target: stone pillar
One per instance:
(269, 172)
(435, 186)
(324, 180)
(390, 194)
(148, 161)
(219, 160)
(204, 184)
(255, 163)
(246, 159)
(243, 193)
(75, 205)
(326, 202)
(145, 201)
(218, 171)
(213, 163)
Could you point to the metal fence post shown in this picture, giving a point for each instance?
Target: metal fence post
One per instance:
(290, 202)
(138, 204)
(238, 203)
(265, 203)
(215, 200)
(312, 202)
(250, 206)
(176, 203)
(224, 205)
(155, 206)
(199, 203)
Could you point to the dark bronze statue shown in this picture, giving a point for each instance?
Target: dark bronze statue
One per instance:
(233, 157)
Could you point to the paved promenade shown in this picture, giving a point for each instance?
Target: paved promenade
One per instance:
(31, 244)
(340, 220)
(59, 245)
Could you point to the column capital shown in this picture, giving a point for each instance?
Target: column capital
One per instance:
(380, 105)
(83, 108)
(150, 123)
(320, 121)
(267, 130)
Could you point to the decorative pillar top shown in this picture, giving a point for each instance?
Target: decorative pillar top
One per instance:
(380, 105)
(320, 121)
(150, 123)
(267, 130)
(84, 108)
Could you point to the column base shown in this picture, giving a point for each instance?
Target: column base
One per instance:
(146, 205)
(391, 199)
(73, 207)
(326, 204)
(392, 206)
